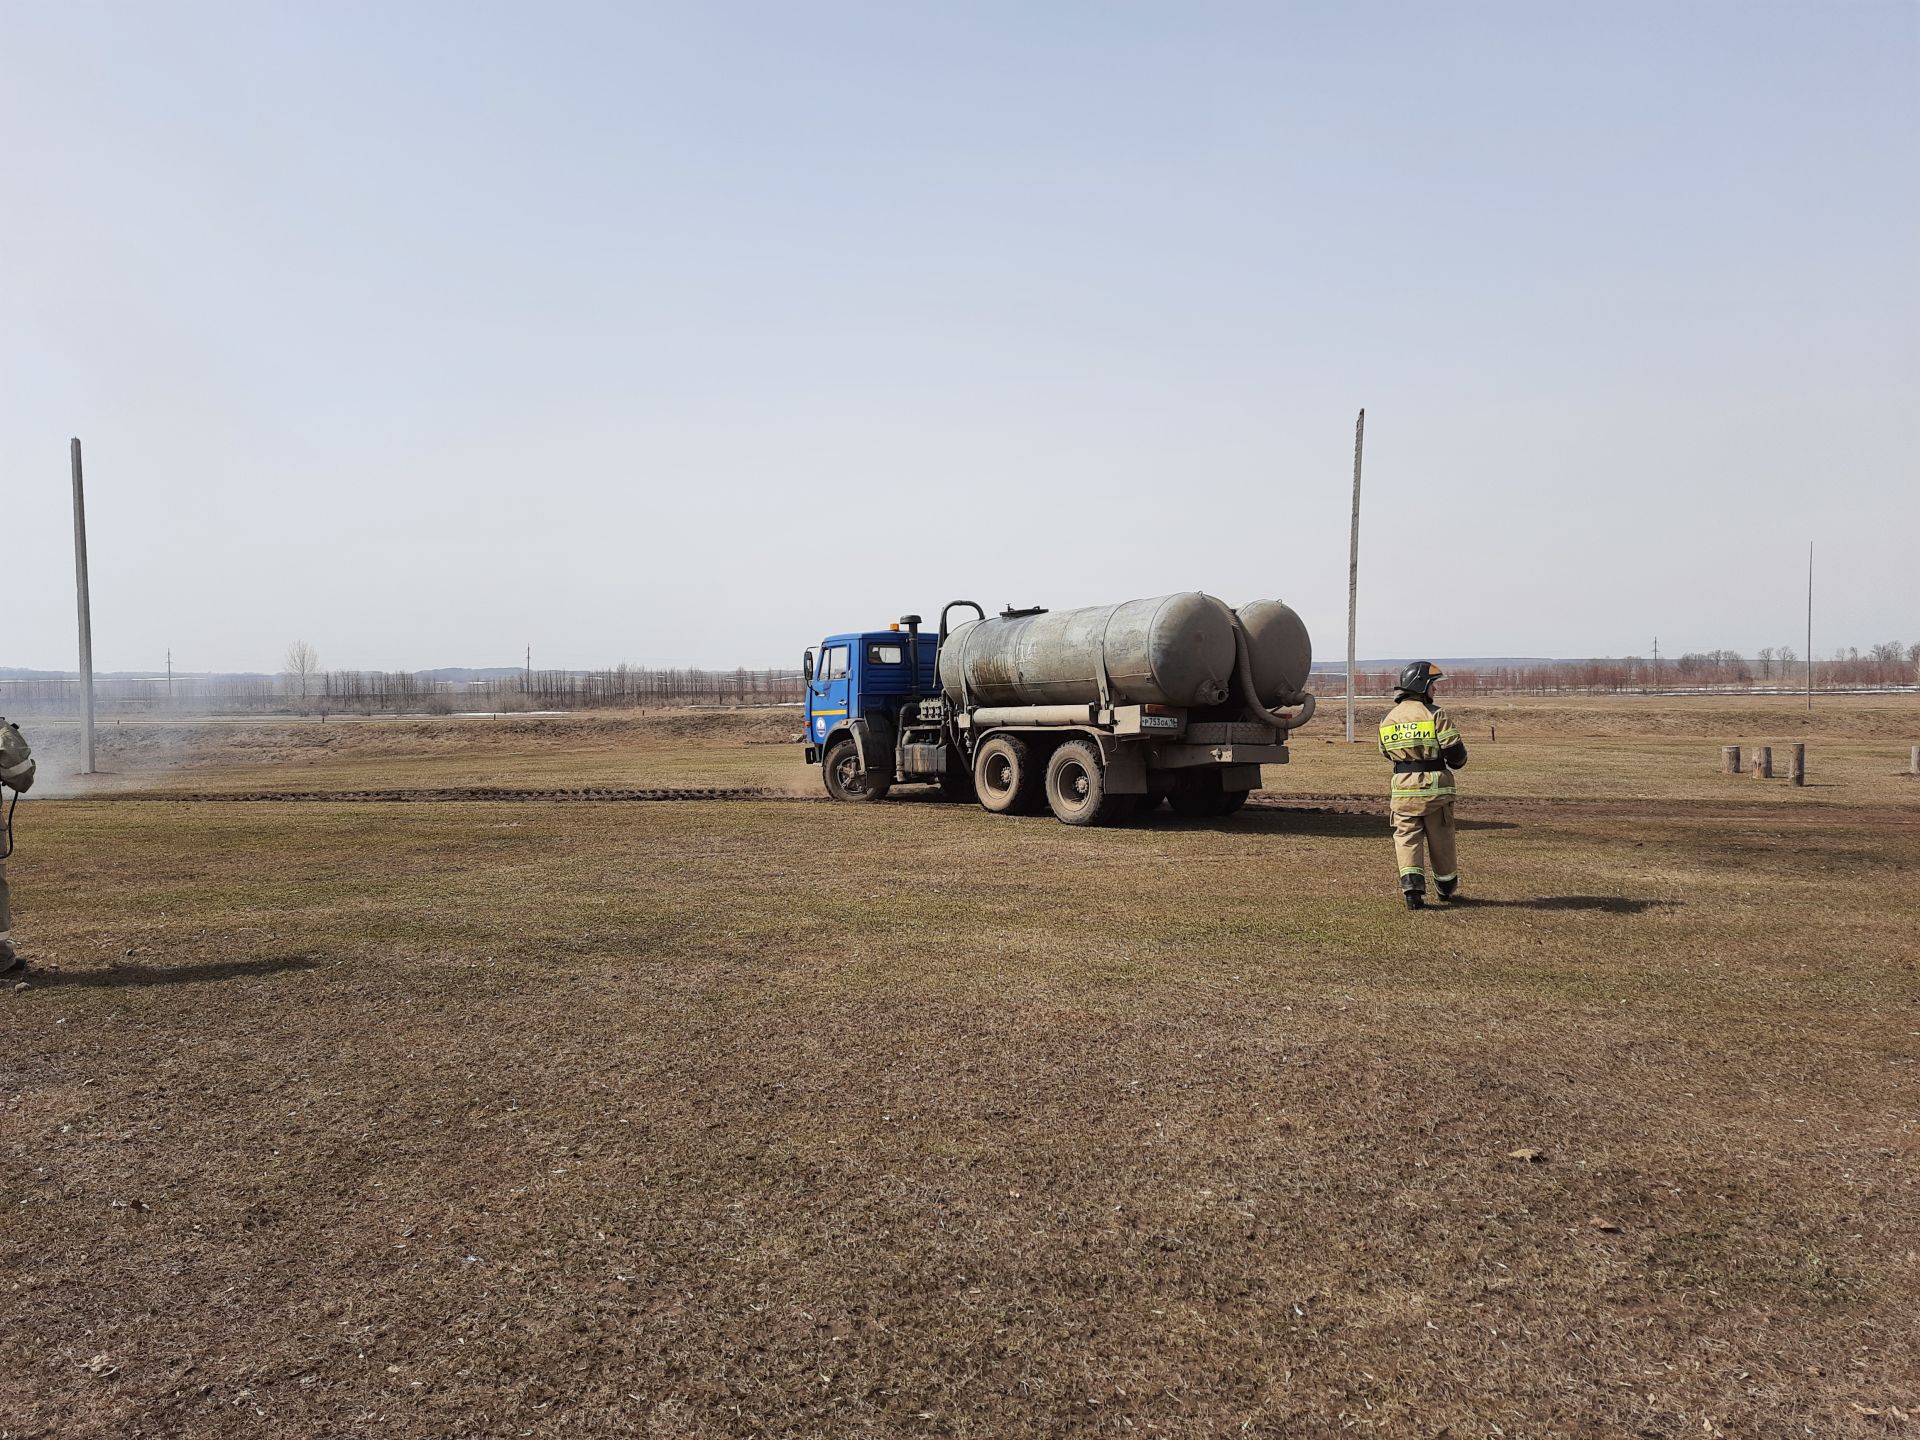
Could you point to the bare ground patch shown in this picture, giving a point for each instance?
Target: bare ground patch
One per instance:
(742, 1119)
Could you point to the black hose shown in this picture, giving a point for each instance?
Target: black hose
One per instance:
(1243, 667)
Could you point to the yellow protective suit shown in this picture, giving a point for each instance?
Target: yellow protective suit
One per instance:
(1417, 736)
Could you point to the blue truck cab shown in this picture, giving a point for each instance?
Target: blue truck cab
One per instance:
(856, 685)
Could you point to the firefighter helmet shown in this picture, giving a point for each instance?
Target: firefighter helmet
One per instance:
(1418, 678)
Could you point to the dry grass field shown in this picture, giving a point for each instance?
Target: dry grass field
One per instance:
(560, 1117)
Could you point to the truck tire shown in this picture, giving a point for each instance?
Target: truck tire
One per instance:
(1230, 801)
(1199, 796)
(845, 779)
(1077, 787)
(1005, 775)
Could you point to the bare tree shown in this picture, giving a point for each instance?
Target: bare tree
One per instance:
(301, 664)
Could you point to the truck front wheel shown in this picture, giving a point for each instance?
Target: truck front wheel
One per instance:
(845, 779)
(1077, 787)
(1005, 775)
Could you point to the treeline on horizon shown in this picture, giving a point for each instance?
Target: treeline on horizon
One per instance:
(626, 687)
(1885, 666)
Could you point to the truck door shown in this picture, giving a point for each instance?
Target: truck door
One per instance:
(827, 695)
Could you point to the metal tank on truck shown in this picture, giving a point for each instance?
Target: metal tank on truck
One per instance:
(1093, 713)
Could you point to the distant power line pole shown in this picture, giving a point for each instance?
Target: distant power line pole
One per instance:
(1353, 564)
(86, 608)
(1809, 624)
(529, 669)
(1656, 664)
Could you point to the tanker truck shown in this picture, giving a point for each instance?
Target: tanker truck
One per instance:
(1094, 713)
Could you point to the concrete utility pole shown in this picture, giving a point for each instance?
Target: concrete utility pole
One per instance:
(86, 609)
(1353, 564)
(1809, 624)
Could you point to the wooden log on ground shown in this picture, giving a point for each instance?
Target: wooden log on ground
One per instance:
(1730, 759)
(1797, 765)
(1763, 762)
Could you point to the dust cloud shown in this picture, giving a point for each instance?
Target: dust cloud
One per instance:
(123, 752)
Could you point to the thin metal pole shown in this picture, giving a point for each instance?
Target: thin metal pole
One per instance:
(86, 608)
(1353, 564)
(1809, 624)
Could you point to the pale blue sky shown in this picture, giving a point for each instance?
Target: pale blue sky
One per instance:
(689, 333)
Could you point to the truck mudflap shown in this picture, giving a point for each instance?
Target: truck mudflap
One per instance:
(1125, 766)
(1239, 777)
(873, 740)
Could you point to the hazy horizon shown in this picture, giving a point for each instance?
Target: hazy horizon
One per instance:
(1320, 662)
(674, 336)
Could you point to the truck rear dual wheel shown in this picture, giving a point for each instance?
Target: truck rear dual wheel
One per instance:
(1198, 795)
(846, 779)
(1077, 787)
(1006, 775)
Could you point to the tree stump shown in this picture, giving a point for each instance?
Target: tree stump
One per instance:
(1730, 759)
(1797, 765)
(1763, 762)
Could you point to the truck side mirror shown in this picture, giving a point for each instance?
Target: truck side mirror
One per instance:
(806, 668)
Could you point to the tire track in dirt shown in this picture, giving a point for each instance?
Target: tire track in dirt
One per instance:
(491, 794)
(1816, 812)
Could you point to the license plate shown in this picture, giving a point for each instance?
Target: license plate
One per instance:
(1159, 722)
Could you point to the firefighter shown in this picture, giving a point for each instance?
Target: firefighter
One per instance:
(1425, 749)
(16, 774)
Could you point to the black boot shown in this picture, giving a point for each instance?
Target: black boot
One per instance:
(1447, 888)
(1416, 899)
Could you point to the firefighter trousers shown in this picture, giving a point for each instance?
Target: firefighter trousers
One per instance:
(1421, 835)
